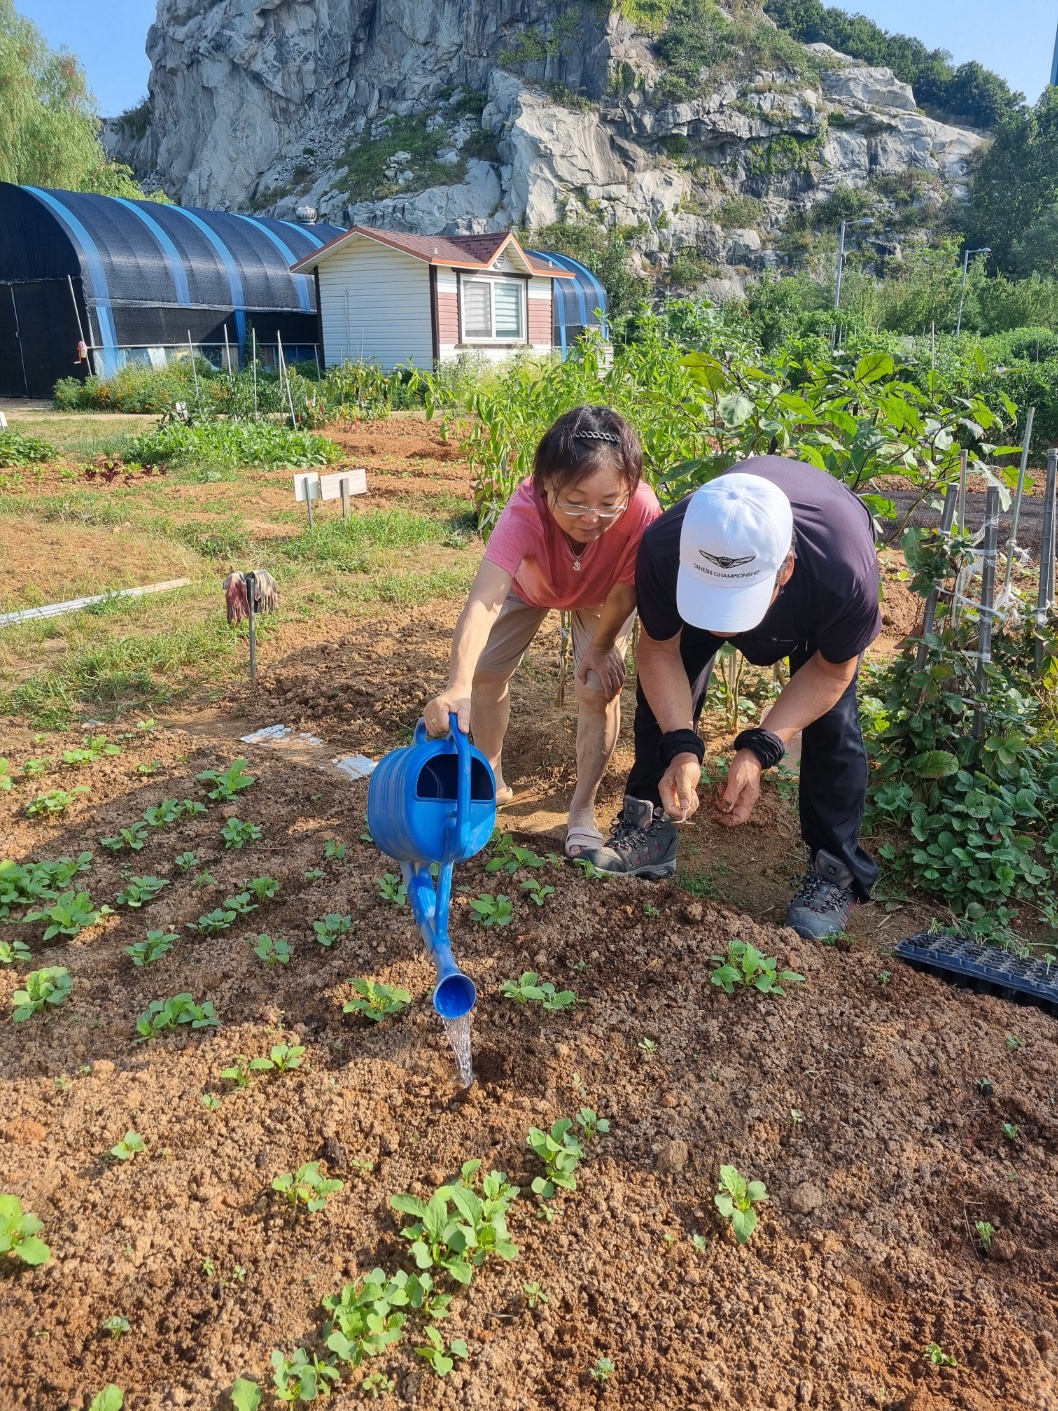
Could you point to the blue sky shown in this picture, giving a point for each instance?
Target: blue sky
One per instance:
(1016, 38)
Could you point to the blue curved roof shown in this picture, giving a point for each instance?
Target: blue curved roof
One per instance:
(144, 254)
(579, 302)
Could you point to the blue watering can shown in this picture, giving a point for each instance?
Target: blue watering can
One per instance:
(434, 803)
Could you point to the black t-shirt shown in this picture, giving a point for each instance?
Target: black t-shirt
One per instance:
(830, 605)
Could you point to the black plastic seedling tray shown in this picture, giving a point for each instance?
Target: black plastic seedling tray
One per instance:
(983, 968)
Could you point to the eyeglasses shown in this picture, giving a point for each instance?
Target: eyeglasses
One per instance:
(579, 511)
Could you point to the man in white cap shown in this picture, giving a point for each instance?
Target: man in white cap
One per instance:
(779, 559)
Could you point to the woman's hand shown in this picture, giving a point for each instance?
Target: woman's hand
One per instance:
(734, 804)
(451, 702)
(678, 789)
(608, 666)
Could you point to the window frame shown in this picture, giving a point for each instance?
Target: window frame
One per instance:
(484, 277)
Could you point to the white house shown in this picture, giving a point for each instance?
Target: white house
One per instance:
(397, 298)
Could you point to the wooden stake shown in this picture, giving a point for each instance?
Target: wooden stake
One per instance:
(989, 546)
(251, 588)
(1045, 596)
(947, 516)
(1016, 515)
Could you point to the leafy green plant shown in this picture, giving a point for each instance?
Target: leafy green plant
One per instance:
(591, 1124)
(603, 1370)
(534, 1294)
(157, 944)
(51, 985)
(209, 1102)
(530, 989)
(437, 1355)
(590, 871)
(163, 1015)
(744, 965)
(263, 889)
(331, 927)
(242, 904)
(364, 1320)
(18, 1233)
(34, 767)
(301, 1377)
(10, 951)
(163, 814)
(272, 952)
(92, 749)
(214, 922)
(68, 914)
(238, 1071)
(138, 891)
(54, 801)
(307, 1187)
(508, 856)
(111, 1398)
(237, 834)
(186, 861)
(313, 874)
(229, 783)
(377, 1384)
(245, 1395)
(735, 1199)
(375, 1001)
(536, 891)
(116, 1325)
(648, 1047)
(6, 782)
(281, 1057)
(561, 1153)
(937, 1357)
(133, 837)
(129, 1146)
(335, 851)
(459, 1226)
(392, 889)
(985, 1233)
(1010, 1131)
(149, 767)
(493, 911)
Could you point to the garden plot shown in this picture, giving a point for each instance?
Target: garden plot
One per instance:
(889, 1119)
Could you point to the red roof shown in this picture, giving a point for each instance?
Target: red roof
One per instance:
(460, 251)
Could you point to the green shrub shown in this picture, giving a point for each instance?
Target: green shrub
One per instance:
(134, 389)
(232, 444)
(17, 450)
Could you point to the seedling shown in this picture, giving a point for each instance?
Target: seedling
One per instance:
(192, 808)
(314, 874)
(10, 951)
(238, 1072)
(744, 965)
(603, 1370)
(6, 782)
(230, 783)
(883, 977)
(186, 861)
(68, 914)
(699, 1241)
(163, 1015)
(735, 1200)
(536, 891)
(213, 923)
(168, 811)
(1012, 1044)
(93, 748)
(307, 1187)
(272, 952)
(209, 1102)
(985, 1233)
(331, 927)
(157, 944)
(439, 1357)
(128, 1146)
(534, 1294)
(34, 767)
(561, 1153)
(796, 1116)
(55, 801)
(242, 904)
(392, 889)
(51, 985)
(149, 767)
(363, 1322)
(138, 891)
(134, 837)
(651, 911)
(1011, 1131)
(529, 988)
(591, 1124)
(937, 1357)
(648, 1047)
(335, 850)
(18, 1233)
(263, 889)
(281, 1057)
(377, 1384)
(115, 1325)
(985, 1086)
(509, 857)
(591, 872)
(245, 1395)
(111, 1398)
(205, 878)
(301, 1377)
(237, 835)
(375, 1001)
(493, 911)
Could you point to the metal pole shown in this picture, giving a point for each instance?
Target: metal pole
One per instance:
(841, 262)
(929, 616)
(227, 351)
(282, 369)
(344, 487)
(962, 491)
(988, 598)
(1045, 595)
(1012, 542)
(194, 369)
(962, 291)
(253, 337)
(251, 589)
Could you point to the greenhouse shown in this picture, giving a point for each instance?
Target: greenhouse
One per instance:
(90, 283)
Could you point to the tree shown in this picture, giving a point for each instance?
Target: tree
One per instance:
(1014, 181)
(49, 133)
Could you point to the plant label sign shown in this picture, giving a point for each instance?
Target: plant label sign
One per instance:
(331, 485)
(307, 487)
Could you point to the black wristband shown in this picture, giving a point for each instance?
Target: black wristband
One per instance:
(768, 748)
(675, 742)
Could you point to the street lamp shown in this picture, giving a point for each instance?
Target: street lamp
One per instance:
(867, 220)
(981, 250)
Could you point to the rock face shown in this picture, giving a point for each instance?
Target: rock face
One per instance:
(459, 116)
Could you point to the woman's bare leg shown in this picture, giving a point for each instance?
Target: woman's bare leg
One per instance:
(490, 711)
(598, 725)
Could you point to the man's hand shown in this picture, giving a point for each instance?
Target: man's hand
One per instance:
(679, 787)
(608, 666)
(734, 803)
(451, 702)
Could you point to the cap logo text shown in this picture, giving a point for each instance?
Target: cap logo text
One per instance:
(723, 562)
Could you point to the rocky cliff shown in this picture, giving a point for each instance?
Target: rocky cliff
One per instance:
(471, 115)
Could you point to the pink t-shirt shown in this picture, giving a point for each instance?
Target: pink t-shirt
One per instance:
(529, 545)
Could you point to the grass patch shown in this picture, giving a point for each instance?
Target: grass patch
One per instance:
(414, 589)
(346, 545)
(703, 884)
(365, 161)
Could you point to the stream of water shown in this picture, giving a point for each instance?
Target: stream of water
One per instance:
(458, 1031)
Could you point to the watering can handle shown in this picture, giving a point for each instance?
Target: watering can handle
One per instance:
(462, 749)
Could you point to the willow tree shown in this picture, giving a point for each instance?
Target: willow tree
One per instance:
(49, 133)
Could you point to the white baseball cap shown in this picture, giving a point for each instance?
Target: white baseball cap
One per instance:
(736, 535)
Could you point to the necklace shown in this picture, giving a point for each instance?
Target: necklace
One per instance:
(574, 552)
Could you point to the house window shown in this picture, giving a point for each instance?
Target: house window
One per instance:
(493, 310)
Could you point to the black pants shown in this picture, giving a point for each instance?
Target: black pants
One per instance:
(833, 782)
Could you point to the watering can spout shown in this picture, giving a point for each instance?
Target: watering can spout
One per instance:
(455, 993)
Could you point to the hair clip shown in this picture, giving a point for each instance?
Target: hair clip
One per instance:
(597, 436)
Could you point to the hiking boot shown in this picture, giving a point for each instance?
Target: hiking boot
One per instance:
(642, 844)
(824, 899)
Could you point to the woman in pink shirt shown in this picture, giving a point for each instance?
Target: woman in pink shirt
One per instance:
(566, 540)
